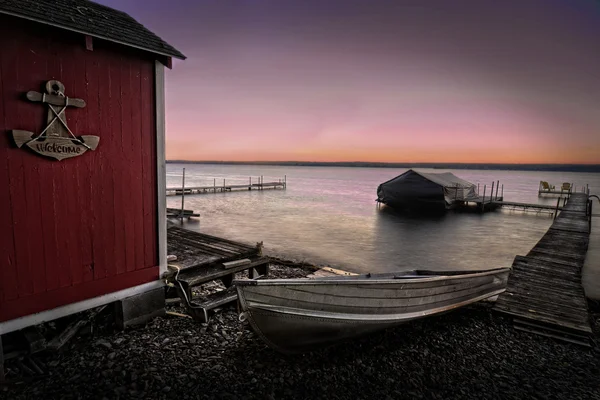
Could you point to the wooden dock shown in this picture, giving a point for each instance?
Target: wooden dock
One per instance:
(259, 184)
(553, 209)
(544, 292)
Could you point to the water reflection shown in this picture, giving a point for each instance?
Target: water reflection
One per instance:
(328, 216)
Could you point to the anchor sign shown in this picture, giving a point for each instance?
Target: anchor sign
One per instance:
(56, 140)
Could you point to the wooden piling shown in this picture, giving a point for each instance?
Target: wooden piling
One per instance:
(557, 205)
(492, 192)
(483, 199)
(497, 184)
(215, 185)
(182, 194)
(590, 216)
(502, 194)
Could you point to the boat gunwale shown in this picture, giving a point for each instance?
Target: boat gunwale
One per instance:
(375, 279)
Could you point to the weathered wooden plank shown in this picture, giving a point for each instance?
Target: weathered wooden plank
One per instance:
(547, 280)
(543, 332)
(526, 293)
(540, 287)
(138, 142)
(118, 264)
(126, 161)
(87, 175)
(545, 274)
(103, 187)
(550, 266)
(149, 157)
(542, 317)
(537, 264)
(547, 304)
(196, 276)
(219, 299)
(205, 248)
(72, 68)
(8, 67)
(225, 244)
(578, 264)
(546, 327)
(579, 258)
(23, 238)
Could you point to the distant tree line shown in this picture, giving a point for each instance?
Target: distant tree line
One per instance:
(480, 166)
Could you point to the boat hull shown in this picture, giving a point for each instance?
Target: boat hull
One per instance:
(296, 315)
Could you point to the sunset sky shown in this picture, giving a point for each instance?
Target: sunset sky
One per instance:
(381, 80)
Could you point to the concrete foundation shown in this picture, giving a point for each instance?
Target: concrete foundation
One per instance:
(140, 308)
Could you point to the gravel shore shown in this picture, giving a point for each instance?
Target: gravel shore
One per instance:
(471, 353)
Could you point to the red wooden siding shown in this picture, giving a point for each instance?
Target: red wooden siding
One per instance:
(84, 226)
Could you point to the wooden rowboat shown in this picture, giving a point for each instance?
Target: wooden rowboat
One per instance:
(295, 315)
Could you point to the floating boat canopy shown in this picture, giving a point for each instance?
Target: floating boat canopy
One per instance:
(421, 188)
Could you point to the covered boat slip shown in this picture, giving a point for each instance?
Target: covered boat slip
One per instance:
(294, 315)
(420, 189)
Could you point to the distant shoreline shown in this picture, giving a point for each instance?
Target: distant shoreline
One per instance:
(359, 164)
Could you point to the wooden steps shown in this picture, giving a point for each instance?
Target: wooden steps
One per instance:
(544, 292)
(204, 258)
(216, 300)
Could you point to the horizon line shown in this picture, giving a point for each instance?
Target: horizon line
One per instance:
(400, 163)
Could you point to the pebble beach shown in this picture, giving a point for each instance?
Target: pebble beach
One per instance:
(470, 353)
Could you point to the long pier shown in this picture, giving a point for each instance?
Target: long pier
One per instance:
(544, 294)
(214, 188)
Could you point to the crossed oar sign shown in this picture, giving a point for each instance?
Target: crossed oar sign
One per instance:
(56, 140)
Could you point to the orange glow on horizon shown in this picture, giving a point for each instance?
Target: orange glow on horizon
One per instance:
(543, 154)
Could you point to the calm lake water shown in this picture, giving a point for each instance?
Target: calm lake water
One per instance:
(328, 216)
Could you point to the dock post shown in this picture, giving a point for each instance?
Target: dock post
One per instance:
(497, 185)
(556, 211)
(590, 217)
(483, 200)
(492, 192)
(502, 194)
(215, 185)
(182, 194)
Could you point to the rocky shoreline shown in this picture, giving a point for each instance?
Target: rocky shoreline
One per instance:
(470, 353)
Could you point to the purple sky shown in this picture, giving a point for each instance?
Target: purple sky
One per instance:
(375, 80)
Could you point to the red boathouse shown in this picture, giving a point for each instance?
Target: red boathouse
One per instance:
(82, 174)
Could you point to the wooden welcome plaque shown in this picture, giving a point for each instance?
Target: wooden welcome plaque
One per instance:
(56, 140)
